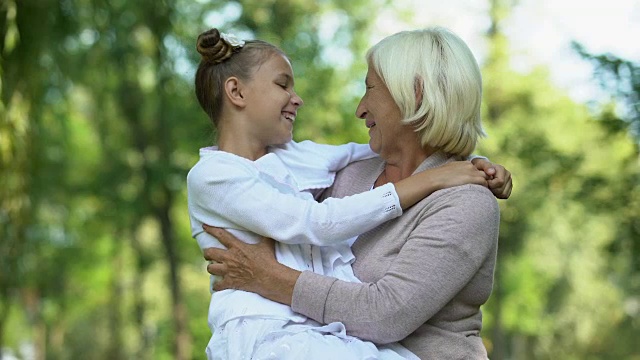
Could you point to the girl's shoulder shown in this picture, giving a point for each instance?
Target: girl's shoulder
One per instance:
(220, 166)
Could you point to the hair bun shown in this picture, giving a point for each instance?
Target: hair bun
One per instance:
(212, 47)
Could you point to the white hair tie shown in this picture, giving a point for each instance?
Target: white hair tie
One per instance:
(232, 40)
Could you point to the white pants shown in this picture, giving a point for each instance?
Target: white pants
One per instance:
(256, 338)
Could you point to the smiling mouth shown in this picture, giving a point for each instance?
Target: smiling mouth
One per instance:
(289, 116)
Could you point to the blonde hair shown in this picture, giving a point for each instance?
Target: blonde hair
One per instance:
(436, 65)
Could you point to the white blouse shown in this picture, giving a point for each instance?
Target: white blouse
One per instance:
(272, 197)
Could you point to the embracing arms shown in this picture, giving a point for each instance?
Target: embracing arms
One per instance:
(233, 194)
(445, 247)
(253, 268)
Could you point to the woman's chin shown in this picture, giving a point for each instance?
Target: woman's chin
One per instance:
(374, 147)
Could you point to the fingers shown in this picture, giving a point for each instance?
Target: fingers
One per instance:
(217, 269)
(481, 181)
(478, 177)
(214, 254)
(501, 189)
(500, 184)
(496, 183)
(484, 165)
(490, 171)
(222, 235)
(502, 173)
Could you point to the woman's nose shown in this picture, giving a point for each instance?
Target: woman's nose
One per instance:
(361, 111)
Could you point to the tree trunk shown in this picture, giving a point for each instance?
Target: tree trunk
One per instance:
(32, 304)
(116, 350)
(4, 314)
(183, 339)
(143, 350)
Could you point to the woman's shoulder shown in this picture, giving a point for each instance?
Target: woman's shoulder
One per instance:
(470, 199)
(458, 214)
(465, 194)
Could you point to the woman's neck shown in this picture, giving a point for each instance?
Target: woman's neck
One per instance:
(404, 163)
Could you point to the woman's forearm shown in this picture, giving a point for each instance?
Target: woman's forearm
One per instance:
(277, 283)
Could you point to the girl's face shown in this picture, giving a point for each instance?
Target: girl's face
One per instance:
(272, 102)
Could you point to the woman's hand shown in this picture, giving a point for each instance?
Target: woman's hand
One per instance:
(249, 267)
(499, 181)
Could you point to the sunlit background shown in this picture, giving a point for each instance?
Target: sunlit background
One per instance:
(99, 127)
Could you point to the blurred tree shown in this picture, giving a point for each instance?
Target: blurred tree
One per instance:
(552, 297)
(620, 78)
(99, 127)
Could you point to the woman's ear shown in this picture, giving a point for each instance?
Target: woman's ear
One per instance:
(233, 91)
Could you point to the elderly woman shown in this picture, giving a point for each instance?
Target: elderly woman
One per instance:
(425, 274)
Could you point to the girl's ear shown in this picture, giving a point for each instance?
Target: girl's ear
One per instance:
(233, 91)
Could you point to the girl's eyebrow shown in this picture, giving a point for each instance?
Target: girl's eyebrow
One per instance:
(288, 78)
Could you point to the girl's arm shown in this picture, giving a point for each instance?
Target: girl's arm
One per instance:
(416, 187)
(232, 196)
(313, 165)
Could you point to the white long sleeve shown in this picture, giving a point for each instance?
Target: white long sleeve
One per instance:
(227, 191)
(313, 165)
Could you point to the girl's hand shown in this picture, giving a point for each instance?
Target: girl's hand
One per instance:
(457, 173)
(499, 178)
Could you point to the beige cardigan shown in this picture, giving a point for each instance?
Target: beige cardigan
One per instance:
(425, 274)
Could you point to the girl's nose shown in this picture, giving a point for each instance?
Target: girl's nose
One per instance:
(296, 100)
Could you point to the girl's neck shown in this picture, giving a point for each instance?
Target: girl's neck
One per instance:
(238, 143)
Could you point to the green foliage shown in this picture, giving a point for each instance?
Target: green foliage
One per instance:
(99, 126)
(560, 290)
(621, 78)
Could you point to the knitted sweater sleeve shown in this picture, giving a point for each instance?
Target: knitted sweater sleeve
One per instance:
(453, 236)
(235, 196)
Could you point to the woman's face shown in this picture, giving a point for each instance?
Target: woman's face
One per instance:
(382, 116)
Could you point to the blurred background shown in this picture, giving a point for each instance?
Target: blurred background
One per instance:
(99, 126)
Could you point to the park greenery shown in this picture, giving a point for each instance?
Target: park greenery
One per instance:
(99, 126)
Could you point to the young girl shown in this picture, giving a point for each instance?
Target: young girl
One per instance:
(258, 182)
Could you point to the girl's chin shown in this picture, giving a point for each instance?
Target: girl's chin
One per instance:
(285, 140)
